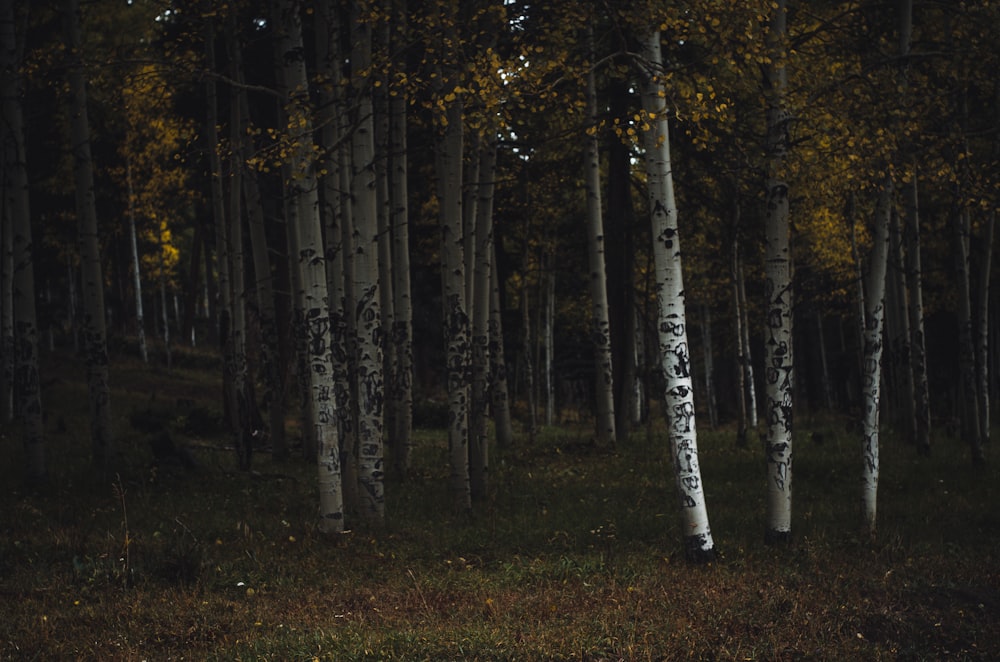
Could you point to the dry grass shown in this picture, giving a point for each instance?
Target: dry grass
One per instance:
(575, 556)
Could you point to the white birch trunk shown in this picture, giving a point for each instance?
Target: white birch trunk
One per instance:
(401, 389)
(136, 274)
(308, 256)
(335, 214)
(449, 152)
(872, 364)
(778, 358)
(369, 334)
(92, 282)
(600, 324)
(672, 325)
(19, 259)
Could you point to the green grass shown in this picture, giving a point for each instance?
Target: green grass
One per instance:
(576, 554)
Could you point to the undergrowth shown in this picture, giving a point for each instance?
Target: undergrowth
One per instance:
(574, 555)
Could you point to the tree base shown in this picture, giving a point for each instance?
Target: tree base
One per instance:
(772, 537)
(696, 552)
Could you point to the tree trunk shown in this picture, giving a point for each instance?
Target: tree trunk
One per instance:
(750, 382)
(698, 544)
(738, 316)
(136, 274)
(600, 326)
(898, 331)
(478, 435)
(336, 216)
(369, 375)
(243, 436)
(778, 356)
(448, 165)
(93, 321)
(270, 350)
(871, 375)
(548, 335)
(498, 361)
(401, 388)
(19, 257)
(969, 402)
(308, 254)
(983, 328)
(918, 351)
(708, 362)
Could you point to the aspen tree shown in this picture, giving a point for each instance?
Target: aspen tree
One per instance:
(92, 282)
(672, 317)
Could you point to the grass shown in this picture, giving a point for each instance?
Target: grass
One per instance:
(575, 556)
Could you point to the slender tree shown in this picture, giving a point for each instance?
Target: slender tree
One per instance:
(872, 364)
(672, 324)
(93, 321)
(368, 321)
(600, 324)
(308, 256)
(778, 357)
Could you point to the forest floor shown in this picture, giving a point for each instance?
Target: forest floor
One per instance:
(575, 555)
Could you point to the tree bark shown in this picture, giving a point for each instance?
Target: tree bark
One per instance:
(93, 321)
(140, 329)
(778, 355)
(498, 361)
(918, 350)
(448, 165)
(599, 323)
(698, 544)
(478, 435)
(872, 364)
(401, 388)
(369, 333)
(308, 253)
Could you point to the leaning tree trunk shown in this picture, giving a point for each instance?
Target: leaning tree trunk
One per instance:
(308, 253)
(369, 374)
(93, 321)
(698, 544)
(778, 357)
(20, 255)
(600, 326)
(871, 375)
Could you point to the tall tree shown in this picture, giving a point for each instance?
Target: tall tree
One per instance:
(672, 316)
(872, 364)
(93, 321)
(308, 257)
(401, 388)
(918, 347)
(600, 324)
(778, 359)
(17, 224)
(448, 153)
(368, 329)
